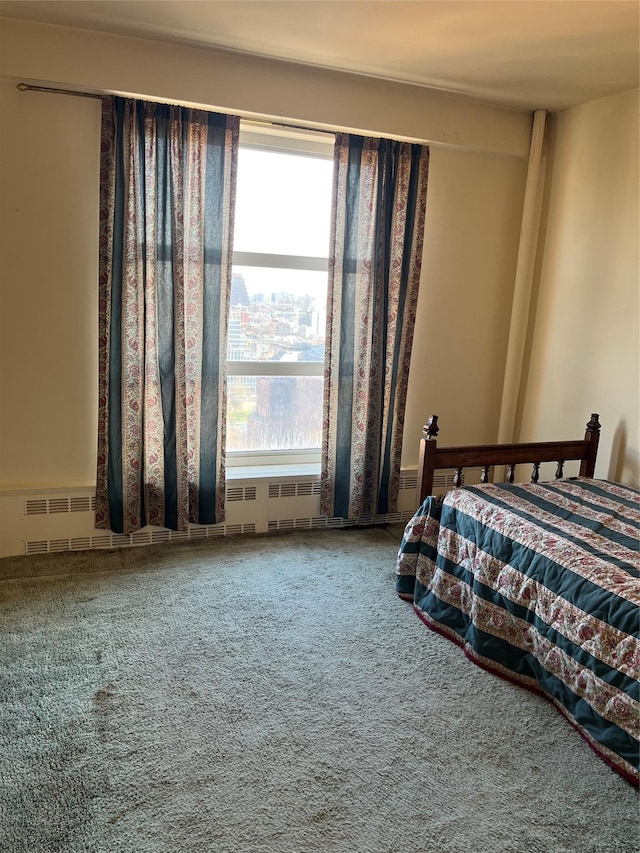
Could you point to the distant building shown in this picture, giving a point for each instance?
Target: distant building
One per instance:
(236, 341)
(306, 302)
(318, 323)
(312, 354)
(239, 292)
(282, 297)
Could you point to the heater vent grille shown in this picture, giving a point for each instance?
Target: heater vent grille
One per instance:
(142, 537)
(51, 506)
(323, 521)
(441, 480)
(294, 490)
(241, 493)
(408, 481)
(444, 479)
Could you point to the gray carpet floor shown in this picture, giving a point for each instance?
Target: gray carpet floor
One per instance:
(271, 694)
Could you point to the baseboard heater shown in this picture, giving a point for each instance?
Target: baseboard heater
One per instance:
(257, 507)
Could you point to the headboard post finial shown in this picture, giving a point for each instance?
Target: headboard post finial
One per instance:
(427, 458)
(431, 428)
(592, 438)
(594, 424)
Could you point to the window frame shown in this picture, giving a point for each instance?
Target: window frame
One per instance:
(319, 145)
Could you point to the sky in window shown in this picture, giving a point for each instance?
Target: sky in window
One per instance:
(283, 203)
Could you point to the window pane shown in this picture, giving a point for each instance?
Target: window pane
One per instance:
(277, 315)
(274, 412)
(283, 204)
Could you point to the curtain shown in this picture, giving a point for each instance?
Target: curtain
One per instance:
(167, 193)
(379, 202)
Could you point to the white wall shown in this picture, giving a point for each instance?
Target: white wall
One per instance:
(472, 227)
(49, 151)
(584, 338)
(251, 86)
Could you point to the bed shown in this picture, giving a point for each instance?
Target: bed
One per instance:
(538, 582)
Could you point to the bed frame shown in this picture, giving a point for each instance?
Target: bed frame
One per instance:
(433, 458)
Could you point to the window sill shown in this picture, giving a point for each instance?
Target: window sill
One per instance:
(273, 472)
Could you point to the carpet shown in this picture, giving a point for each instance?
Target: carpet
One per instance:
(271, 694)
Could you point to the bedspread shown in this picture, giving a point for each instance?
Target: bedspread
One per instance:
(540, 583)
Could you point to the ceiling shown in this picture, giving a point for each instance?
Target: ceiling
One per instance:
(527, 54)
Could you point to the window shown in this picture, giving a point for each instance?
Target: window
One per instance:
(277, 311)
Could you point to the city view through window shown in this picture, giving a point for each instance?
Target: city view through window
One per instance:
(277, 313)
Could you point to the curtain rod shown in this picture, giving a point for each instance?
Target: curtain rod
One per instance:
(27, 87)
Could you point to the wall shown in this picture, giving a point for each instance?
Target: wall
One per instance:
(49, 148)
(252, 86)
(583, 353)
(474, 209)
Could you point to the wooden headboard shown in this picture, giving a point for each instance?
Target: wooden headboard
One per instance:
(433, 458)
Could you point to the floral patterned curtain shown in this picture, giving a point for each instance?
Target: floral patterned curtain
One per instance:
(380, 189)
(166, 232)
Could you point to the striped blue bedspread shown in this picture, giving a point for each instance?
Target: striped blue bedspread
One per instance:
(540, 583)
